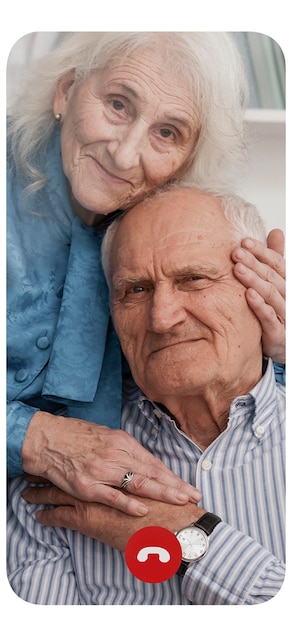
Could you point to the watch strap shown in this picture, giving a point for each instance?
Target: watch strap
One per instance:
(182, 568)
(207, 522)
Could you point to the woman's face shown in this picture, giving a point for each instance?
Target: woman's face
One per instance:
(126, 130)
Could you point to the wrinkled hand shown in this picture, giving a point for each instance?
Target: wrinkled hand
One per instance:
(104, 523)
(88, 461)
(262, 270)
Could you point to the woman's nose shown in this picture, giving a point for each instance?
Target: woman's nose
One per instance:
(126, 148)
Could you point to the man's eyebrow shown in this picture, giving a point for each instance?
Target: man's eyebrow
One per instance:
(123, 282)
(118, 284)
(195, 269)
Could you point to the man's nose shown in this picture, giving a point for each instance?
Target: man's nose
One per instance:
(166, 311)
(127, 147)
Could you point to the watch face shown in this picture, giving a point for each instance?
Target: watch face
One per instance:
(194, 543)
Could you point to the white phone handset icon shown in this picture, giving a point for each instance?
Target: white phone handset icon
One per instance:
(163, 554)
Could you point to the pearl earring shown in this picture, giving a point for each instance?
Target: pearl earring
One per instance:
(58, 118)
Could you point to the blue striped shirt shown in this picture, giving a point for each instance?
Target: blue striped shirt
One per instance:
(241, 477)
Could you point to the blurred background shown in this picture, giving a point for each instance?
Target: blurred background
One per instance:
(264, 184)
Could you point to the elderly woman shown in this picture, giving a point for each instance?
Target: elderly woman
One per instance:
(108, 118)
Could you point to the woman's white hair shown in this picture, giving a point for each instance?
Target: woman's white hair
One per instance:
(243, 216)
(209, 62)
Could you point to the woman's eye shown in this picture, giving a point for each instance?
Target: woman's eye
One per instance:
(166, 133)
(117, 105)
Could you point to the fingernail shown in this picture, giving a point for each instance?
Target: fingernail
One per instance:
(141, 509)
(240, 254)
(182, 497)
(248, 243)
(196, 498)
(252, 293)
(240, 268)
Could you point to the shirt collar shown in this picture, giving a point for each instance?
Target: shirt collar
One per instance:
(259, 405)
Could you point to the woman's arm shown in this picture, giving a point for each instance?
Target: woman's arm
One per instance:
(89, 462)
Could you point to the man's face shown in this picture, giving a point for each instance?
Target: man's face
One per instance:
(181, 315)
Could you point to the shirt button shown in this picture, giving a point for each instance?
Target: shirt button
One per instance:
(153, 431)
(21, 376)
(157, 412)
(206, 464)
(43, 343)
(259, 431)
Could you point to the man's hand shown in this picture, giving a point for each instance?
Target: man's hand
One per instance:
(262, 270)
(104, 523)
(87, 461)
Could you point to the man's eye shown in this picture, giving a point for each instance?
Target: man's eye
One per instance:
(193, 282)
(137, 292)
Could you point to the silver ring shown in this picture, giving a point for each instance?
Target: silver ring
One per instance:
(127, 479)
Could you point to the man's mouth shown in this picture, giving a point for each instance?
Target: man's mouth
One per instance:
(173, 344)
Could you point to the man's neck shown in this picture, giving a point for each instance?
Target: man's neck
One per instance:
(204, 415)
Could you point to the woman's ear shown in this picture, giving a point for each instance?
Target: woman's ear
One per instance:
(62, 94)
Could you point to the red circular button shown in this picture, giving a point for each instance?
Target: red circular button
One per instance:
(153, 554)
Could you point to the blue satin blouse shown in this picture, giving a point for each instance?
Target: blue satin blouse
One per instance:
(63, 353)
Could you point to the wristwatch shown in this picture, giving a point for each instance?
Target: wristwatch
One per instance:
(194, 540)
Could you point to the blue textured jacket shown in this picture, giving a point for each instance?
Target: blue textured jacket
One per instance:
(63, 354)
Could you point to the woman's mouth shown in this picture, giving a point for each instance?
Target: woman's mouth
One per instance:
(109, 176)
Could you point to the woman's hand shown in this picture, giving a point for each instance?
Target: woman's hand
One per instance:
(104, 523)
(89, 461)
(262, 270)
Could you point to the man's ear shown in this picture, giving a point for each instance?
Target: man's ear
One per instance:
(63, 91)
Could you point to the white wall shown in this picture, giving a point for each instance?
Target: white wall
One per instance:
(265, 182)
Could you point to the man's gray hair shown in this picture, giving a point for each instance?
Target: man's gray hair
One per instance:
(242, 215)
(209, 63)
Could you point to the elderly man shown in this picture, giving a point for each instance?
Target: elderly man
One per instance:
(205, 403)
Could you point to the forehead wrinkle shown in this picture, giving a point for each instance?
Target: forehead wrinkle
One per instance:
(198, 235)
(138, 68)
